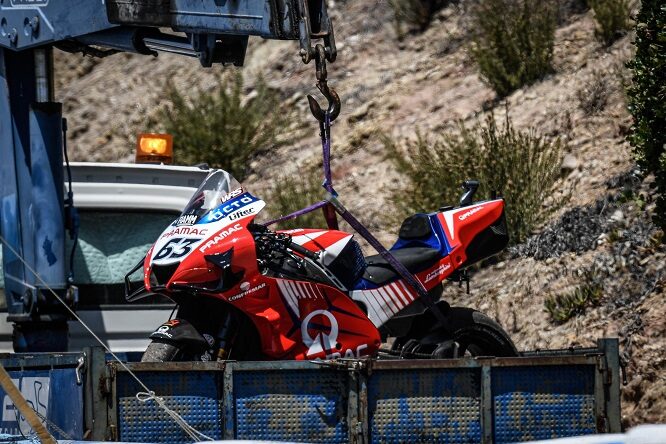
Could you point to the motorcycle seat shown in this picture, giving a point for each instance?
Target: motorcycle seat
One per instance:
(415, 259)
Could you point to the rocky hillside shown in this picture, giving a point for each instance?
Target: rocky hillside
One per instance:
(603, 234)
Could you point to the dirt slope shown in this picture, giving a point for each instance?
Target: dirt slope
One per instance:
(428, 82)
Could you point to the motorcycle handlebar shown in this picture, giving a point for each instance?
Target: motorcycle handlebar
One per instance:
(302, 250)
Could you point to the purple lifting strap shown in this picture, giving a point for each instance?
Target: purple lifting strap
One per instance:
(409, 278)
(295, 214)
(325, 133)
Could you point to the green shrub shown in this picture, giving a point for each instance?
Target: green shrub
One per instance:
(521, 165)
(512, 41)
(595, 93)
(561, 308)
(612, 18)
(224, 128)
(417, 14)
(295, 192)
(647, 97)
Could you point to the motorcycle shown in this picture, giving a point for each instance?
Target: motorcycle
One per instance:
(245, 292)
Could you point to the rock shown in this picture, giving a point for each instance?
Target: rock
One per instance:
(569, 164)
(617, 216)
(359, 113)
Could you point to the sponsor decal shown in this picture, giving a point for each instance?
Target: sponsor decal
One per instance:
(164, 330)
(220, 236)
(186, 219)
(190, 231)
(438, 272)
(172, 322)
(467, 214)
(241, 213)
(226, 209)
(176, 248)
(322, 341)
(230, 195)
(247, 291)
(349, 353)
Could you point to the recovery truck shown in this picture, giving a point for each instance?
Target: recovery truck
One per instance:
(121, 208)
(88, 395)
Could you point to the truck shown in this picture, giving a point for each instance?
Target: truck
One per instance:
(122, 209)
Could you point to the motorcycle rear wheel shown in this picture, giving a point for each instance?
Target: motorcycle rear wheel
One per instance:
(468, 333)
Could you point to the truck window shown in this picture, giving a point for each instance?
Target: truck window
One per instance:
(110, 243)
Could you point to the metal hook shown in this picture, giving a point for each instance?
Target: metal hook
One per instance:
(333, 109)
(333, 99)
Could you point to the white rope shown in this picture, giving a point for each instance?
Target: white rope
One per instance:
(191, 431)
(160, 402)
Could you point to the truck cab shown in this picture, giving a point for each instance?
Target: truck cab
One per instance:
(122, 210)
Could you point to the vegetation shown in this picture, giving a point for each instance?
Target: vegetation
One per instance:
(512, 41)
(224, 128)
(612, 18)
(647, 97)
(417, 14)
(295, 192)
(561, 308)
(595, 93)
(521, 165)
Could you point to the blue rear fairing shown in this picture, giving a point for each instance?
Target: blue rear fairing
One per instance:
(437, 241)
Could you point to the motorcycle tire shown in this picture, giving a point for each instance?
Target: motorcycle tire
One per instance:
(469, 333)
(161, 351)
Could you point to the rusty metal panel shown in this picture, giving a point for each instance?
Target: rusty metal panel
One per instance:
(426, 405)
(543, 402)
(295, 405)
(196, 396)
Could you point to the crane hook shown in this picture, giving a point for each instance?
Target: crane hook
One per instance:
(333, 109)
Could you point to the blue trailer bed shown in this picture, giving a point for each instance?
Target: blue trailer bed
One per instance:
(540, 395)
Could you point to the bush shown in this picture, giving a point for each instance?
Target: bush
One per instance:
(224, 128)
(612, 18)
(520, 165)
(417, 14)
(595, 93)
(561, 308)
(512, 41)
(646, 97)
(295, 192)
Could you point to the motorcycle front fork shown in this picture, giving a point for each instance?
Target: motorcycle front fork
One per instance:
(226, 334)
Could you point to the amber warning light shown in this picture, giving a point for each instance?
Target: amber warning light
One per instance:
(154, 148)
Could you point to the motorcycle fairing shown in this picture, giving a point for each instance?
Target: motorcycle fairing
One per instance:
(180, 248)
(454, 231)
(384, 302)
(462, 226)
(306, 320)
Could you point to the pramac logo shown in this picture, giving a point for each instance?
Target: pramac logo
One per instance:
(322, 341)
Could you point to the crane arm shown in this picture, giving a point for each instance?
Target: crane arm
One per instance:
(215, 31)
